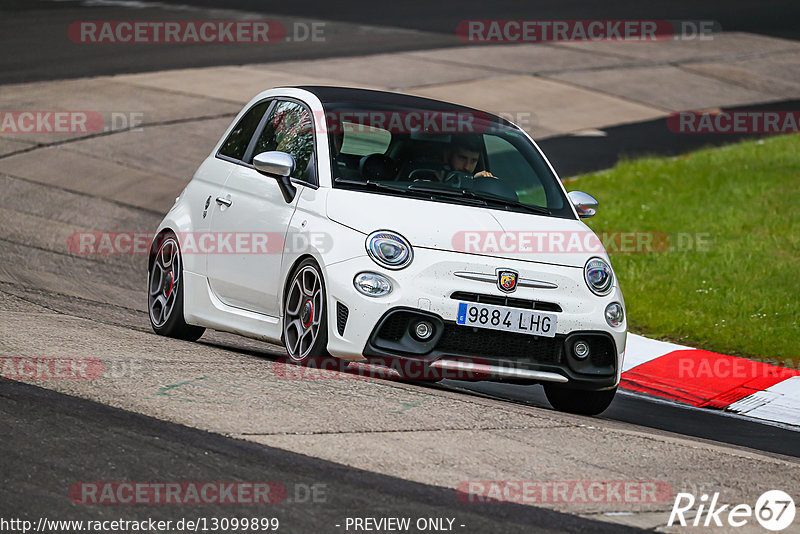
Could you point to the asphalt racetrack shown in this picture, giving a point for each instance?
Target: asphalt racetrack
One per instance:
(222, 409)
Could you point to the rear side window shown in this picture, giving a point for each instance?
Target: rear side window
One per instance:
(236, 144)
(362, 139)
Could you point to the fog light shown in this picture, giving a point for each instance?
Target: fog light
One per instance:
(614, 314)
(423, 330)
(581, 350)
(372, 284)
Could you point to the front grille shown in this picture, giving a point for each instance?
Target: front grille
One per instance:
(500, 345)
(511, 302)
(341, 317)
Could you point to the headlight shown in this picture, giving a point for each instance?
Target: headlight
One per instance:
(599, 276)
(614, 314)
(389, 249)
(372, 284)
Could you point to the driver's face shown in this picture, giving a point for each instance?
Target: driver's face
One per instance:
(463, 160)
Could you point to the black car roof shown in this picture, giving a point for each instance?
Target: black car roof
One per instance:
(347, 95)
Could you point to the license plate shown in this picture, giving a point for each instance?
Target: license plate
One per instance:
(506, 319)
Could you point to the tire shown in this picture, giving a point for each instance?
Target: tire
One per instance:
(579, 401)
(165, 291)
(305, 318)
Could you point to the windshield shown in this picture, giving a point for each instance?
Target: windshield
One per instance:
(450, 155)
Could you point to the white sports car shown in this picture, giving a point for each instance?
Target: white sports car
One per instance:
(386, 228)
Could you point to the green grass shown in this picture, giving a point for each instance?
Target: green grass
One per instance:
(741, 296)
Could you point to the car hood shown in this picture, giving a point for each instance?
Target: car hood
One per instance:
(467, 229)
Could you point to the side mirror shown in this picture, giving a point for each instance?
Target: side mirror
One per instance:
(274, 163)
(278, 165)
(586, 205)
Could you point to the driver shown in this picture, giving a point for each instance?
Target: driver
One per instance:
(462, 155)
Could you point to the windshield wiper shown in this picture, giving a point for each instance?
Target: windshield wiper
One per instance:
(485, 197)
(503, 201)
(415, 191)
(371, 184)
(444, 190)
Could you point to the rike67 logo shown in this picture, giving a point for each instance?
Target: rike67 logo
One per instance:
(774, 510)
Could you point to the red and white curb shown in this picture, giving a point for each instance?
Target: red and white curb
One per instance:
(710, 380)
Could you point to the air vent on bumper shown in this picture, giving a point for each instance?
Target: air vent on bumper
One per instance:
(342, 312)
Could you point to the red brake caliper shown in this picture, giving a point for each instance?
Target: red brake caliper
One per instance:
(310, 307)
(168, 291)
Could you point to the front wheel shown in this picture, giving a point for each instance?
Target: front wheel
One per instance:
(579, 401)
(305, 331)
(165, 292)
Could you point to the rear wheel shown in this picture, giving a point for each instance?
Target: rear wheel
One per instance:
(305, 330)
(165, 292)
(579, 401)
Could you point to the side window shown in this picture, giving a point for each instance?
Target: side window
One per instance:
(236, 144)
(507, 162)
(289, 129)
(361, 139)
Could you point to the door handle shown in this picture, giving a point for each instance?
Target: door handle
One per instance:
(224, 201)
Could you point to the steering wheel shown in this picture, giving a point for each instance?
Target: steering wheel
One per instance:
(459, 179)
(430, 175)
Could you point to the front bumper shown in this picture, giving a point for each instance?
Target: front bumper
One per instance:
(469, 353)
(377, 329)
